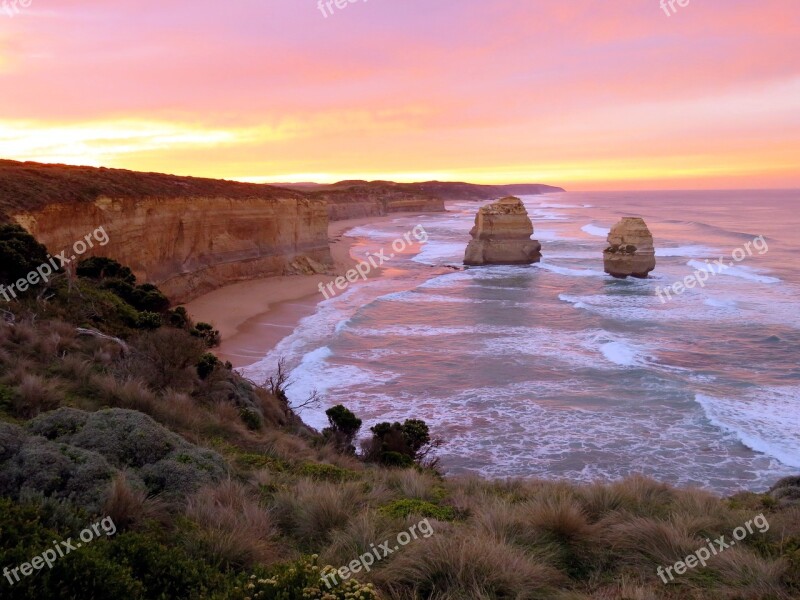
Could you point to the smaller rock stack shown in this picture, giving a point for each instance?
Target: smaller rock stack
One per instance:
(502, 236)
(630, 251)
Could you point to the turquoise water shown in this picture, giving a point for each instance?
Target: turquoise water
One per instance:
(559, 371)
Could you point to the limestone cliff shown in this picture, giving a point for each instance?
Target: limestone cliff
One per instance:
(186, 235)
(355, 200)
(630, 251)
(502, 236)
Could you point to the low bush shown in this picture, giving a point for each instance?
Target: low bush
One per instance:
(400, 509)
(323, 472)
(20, 253)
(344, 427)
(302, 581)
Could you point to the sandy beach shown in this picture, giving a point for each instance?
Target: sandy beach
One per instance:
(253, 316)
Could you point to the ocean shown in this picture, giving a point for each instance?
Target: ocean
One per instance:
(559, 371)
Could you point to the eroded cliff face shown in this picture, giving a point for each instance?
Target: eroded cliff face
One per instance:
(191, 245)
(375, 200)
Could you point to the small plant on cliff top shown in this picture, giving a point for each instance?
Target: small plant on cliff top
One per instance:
(207, 333)
(303, 581)
(20, 253)
(100, 267)
(207, 364)
(344, 426)
(397, 445)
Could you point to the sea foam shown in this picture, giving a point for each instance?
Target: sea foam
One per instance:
(768, 421)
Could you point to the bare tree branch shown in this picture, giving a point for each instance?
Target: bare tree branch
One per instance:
(103, 336)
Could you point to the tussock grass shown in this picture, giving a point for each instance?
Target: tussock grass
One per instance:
(290, 493)
(131, 507)
(454, 564)
(233, 529)
(311, 510)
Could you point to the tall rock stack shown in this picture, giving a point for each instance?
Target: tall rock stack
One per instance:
(630, 251)
(502, 236)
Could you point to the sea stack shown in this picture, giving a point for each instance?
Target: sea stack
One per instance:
(502, 236)
(630, 251)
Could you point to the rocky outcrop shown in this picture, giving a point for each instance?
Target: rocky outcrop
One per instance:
(630, 251)
(502, 236)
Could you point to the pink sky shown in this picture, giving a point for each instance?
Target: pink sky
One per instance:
(588, 94)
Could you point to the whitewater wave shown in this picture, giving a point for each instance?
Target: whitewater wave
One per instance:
(741, 272)
(570, 272)
(596, 231)
(767, 422)
(691, 251)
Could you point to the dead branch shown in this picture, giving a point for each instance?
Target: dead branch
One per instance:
(96, 334)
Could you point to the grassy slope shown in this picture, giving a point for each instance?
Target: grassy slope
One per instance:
(286, 495)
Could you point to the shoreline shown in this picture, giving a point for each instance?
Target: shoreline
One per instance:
(254, 316)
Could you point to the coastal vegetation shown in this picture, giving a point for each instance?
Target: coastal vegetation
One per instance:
(112, 404)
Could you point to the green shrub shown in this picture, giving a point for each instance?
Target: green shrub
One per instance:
(164, 571)
(87, 448)
(30, 463)
(302, 580)
(397, 445)
(344, 427)
(8, 398)
(251, 418)
(178, 318)
(148, 297)
(20, 253)
(207, 333)
(207, 365)
(121, 281)
(100, 267)
(130, 566)
(324, 472)
(84, 573)
(412, 506)
(251, 460)
(148, 321)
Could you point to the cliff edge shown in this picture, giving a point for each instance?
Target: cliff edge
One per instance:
(186, 235)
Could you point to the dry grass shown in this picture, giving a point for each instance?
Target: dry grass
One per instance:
(457, 565)
(357, 537)
(233, 529)
(410, 483)
(310, 511)
(129, 507)
(125, 393)
(36, 394)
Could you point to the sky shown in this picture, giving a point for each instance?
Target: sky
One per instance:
(585, 94)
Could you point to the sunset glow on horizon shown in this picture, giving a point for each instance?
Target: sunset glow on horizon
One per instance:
(584, 94)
